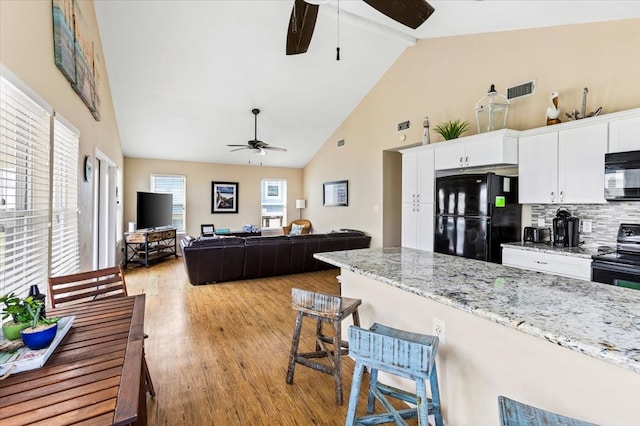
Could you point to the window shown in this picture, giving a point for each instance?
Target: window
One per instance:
(24, 191)
(65, 250)
(173, 184)
(38, 186)
(273, 203)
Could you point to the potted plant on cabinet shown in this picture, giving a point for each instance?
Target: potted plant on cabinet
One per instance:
(451, 129)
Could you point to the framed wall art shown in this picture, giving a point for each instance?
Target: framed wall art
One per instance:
(335, 193)
(224, 197)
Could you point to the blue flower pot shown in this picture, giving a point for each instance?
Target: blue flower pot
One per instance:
(39, 339)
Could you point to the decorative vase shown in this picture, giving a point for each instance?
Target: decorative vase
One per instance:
(11, 330)
(39, 339)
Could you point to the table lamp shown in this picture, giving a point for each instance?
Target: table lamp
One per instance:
(300, 204)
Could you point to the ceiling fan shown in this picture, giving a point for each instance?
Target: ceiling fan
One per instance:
(260, 147)
(411, 13)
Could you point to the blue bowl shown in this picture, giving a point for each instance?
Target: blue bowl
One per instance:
(39, 339)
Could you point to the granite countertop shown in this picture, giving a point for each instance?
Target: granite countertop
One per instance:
(599, 320)
(581, 251)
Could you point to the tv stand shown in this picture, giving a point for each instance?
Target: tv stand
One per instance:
(145, 246)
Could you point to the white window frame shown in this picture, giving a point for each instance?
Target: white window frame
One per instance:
(181, 203)
(266, 220)
(25, 140)
(47, 203)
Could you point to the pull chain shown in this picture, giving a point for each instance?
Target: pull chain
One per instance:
(338, 32)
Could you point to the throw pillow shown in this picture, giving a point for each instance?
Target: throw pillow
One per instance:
(296, 229)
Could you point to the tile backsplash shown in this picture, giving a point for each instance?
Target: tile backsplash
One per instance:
(605, 218)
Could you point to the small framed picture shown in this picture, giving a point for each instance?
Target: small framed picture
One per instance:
(335, 193)
(224, 197)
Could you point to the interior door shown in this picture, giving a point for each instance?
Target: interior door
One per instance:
(105, 201)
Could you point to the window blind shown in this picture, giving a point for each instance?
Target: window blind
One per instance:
(65, 250)
(176, 185)
(24, 191)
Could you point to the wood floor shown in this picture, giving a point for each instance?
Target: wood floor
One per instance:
(218, 353)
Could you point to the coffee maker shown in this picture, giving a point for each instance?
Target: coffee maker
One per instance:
(566, 229)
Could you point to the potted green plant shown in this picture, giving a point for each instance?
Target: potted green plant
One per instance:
(41, 331)
(451, 129)
(15, 308)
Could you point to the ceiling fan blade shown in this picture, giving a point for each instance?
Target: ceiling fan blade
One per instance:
(237, 145)
(301, 26)
(274, 148)
(240, 149)
(411, 13)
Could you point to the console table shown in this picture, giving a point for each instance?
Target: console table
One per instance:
(145, 246)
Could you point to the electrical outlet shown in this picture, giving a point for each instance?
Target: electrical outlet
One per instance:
(540, 223)
(438, 329)
(586, 226)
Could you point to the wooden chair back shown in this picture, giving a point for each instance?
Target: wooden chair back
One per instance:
(87, 286)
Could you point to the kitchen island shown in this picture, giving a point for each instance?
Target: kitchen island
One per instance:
(562, 344)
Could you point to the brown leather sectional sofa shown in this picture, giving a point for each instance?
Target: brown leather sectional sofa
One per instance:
(211, 260)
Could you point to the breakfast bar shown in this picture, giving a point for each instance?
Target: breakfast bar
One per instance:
(561, 344)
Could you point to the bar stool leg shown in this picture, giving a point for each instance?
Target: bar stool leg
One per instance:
(373, 382)
(358, 373)
(337, 360)
(423, 403)
(294, 348)
(435, 396)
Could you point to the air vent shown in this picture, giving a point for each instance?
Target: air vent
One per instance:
(404, 125)
(521, 90)
(340, 143)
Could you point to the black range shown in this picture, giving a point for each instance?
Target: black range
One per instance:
(621, 268)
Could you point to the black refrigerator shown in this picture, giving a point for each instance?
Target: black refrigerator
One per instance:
(475, 213)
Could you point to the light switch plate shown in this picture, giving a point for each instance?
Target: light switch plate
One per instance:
(540, 223)
(586, 226)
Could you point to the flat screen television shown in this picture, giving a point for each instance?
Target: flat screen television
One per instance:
(154, 210)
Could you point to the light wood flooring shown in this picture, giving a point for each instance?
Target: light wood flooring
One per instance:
(218, 353)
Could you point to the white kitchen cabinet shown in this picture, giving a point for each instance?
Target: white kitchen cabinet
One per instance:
(417, 226)
(564, 166)
(556, 264)
(418, 174)
(494, 148)
(624, 134)
(418, 182)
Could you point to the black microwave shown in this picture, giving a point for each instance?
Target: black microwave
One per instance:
(622, 176)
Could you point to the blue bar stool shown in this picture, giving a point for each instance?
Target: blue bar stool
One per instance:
(401, 353)
(515, 413)
(323, 308)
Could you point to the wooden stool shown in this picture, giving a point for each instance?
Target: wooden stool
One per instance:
(322, 308)
(401, 353)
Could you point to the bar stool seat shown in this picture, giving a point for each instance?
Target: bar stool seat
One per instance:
(401, 353)
(323, 308)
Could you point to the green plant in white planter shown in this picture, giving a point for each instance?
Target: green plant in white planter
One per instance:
(451, 129)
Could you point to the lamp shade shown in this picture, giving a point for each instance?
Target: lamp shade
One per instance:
(300, 204)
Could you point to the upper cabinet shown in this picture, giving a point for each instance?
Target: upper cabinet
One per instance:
(624, 133)
(418, 182)
(564, 166)
(486, 149)
(418, 175)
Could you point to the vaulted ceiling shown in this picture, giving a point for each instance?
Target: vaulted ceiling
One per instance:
(185, 75)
